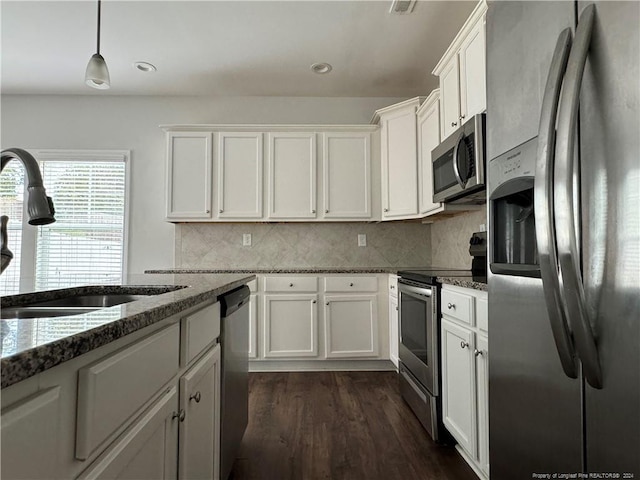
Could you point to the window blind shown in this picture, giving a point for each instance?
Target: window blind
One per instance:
(11, 202)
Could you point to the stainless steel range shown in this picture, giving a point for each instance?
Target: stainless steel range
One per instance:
(419, 348)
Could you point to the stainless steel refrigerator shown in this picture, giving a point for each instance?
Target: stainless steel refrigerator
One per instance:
(563, 133)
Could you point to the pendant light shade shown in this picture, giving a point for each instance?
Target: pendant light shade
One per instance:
(97, 74)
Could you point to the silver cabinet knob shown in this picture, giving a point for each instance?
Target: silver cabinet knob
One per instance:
(477, 352)
(462, 117)
(392, 287)
(291, 284)
(451, 306)
(464, 344)
(196, 396)
(351, 284)
(397, 309)
(326, 211)
(314, 301)
(453, 124)
(313, 211)
(220, 211)
(179, 415)
(327, 304)
(386, 209)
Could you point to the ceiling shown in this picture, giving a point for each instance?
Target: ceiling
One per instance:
(230, 48)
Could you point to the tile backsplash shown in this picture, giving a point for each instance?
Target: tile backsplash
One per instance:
(450, 239)
(290, 245)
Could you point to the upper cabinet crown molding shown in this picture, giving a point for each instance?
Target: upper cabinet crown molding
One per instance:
(478, 12)
(416, 101)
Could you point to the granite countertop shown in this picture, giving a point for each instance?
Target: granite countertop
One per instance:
(293, 270)
(32, 345)
(466, 282)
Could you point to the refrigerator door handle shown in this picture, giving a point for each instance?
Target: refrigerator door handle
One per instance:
(543, 207)
(567, 239)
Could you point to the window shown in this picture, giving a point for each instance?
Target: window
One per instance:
(86, 244)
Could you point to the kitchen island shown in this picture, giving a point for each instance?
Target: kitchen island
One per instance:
(131, 390)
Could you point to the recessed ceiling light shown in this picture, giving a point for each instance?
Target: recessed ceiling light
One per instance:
(321, 68)
(145, 66)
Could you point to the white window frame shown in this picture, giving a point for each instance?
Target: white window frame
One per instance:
(29, 234)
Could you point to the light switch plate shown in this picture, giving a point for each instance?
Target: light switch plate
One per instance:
(362, 239)
(246, 239)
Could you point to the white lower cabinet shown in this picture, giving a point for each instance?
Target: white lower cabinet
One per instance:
(351, 326)
(199, 437)
(143, 451)
(290, 326)
(465, 373)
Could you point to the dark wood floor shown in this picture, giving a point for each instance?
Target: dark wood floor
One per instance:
(338, 425)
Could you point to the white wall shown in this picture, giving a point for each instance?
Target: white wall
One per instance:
(131, 122)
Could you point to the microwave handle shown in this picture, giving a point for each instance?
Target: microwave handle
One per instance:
(456, 167)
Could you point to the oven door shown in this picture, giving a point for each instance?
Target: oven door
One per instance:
(418, 330)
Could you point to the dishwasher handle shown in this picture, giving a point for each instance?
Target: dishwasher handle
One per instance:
(234, 300)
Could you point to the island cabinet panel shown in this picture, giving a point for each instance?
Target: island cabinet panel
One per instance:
(111, 390)
(240, 163)
(31, 426)
(199, 437)
(198, 331)
(189, 175)
(347, 175)
(290, 325)
(292, 175)
(146, 450)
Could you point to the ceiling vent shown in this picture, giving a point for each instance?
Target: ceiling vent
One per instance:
(402, 7)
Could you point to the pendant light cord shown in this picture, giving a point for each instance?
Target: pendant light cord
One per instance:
(99, 3)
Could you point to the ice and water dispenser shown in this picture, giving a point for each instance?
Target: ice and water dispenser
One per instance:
(512, 246)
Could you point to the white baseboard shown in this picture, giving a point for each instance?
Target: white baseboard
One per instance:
(320, 366)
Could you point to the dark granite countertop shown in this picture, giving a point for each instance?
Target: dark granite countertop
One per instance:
(33, 345)
(292, 270)
(466, 282)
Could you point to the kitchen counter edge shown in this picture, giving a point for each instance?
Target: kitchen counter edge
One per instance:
(463, 282)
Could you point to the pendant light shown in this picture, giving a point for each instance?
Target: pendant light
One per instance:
(97, 75)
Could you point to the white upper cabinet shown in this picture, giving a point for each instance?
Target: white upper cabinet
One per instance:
(189, 175)
(462, 72)
(347, 175)
(399, 147)
(292, 175)
(428, 139)
(240, 161)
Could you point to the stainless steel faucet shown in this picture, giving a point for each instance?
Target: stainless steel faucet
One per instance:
(39, 206)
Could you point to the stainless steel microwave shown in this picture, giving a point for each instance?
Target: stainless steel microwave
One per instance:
(458, 165)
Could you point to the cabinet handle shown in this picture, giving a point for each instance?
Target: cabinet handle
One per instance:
(326, 211)
(386, 209)
(179, 414)
(451, 306)
(313, 211)
(392, 287)
(207, 211)
(351, 284)
(220, 211)
(453, 124)
(291, 284)
(196, 396)
(327, 304)
(464, 344)
(461, 117)
(314, 301)
(397, 309)
(477, 352)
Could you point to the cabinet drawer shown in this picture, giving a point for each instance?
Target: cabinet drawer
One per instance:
(111, 390)
(291, 284)
(198, 331)
(482, 313)
(458, 306)
(350, 284)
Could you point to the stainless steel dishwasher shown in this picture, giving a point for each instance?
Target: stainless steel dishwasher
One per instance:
(234, 401)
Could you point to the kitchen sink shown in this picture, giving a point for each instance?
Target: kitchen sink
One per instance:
(70, 302)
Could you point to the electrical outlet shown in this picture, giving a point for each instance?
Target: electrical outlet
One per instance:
(246, 240)
(362, 239)
(483, 227)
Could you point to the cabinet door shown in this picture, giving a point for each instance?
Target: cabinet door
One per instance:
(30, 430)
(240, 175)
(482, 366)
(399, 146)
(290, 326)
(393, 330)
(347, 176)
(145, 451)
(199, 438)
(450, 97)
(189, 175)
(459, 385)
(473, 91)
(351, 326)
(292, 175)
(253, 326)
(428, 139)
